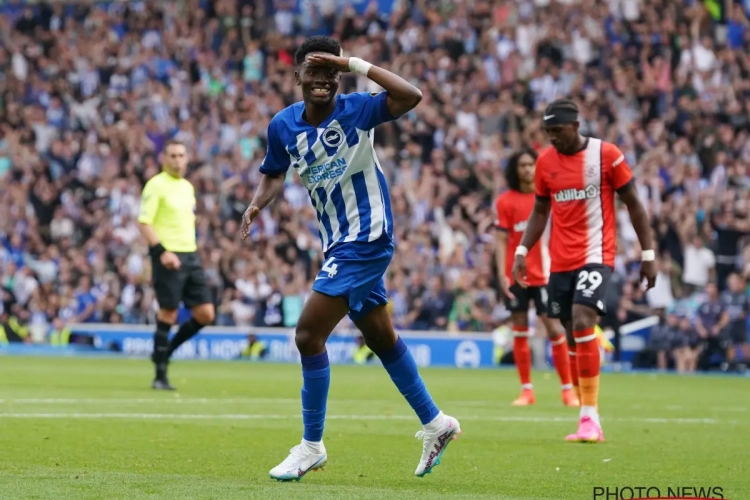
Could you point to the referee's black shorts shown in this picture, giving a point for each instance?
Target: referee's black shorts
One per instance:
(187, 284)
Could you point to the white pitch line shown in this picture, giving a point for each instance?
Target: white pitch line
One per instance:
(177, 400)
(240, 416)
(200, 401)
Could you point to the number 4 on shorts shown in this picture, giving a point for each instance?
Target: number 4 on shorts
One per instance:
(330, 267)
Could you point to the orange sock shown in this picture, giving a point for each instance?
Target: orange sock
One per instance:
(522, 355)
(560, 359)
(572, 358)
(589, 362)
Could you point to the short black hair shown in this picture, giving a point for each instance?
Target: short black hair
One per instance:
(566, 105)
(511, 168)
(317, 43)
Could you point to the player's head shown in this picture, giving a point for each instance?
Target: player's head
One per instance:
(319, 84)
(561, 125)
(175, 158)
(520, 169)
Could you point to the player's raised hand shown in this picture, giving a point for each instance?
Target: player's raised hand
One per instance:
(519, 271)
(648, 273)
(247, 220)
(328, 61)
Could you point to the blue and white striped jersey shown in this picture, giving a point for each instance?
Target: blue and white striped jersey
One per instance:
(337, 164)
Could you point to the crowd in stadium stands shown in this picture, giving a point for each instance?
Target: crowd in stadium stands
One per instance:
(89, 93)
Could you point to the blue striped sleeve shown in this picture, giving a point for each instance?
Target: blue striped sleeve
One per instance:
(370, 109)
(276, 161)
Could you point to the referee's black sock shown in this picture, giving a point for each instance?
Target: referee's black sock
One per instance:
(161, 348)
(187, 331)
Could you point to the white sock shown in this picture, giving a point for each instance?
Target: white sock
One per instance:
(313, 446)
(567, 387)
(436, 423)
(527, 387)
(590, 411)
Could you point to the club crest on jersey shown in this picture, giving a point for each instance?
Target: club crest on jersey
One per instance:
(333, 137)
(566, 195)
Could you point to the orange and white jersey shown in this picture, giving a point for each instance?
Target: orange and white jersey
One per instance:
(582, 190)
(513, 209)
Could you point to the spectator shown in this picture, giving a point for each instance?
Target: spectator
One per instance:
(710, 323)
(688, 346)
(434, 306)
(661, 296)
(736, 305)
(662, 343)
(633, 305)
(699, 265)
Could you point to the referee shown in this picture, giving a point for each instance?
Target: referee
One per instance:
(167, 222)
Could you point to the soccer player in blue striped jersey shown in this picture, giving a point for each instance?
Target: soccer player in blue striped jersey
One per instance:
(328, 140)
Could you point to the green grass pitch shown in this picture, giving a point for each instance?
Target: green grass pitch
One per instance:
(90, 428)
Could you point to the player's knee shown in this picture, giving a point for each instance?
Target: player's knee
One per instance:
(583, 317)
(167, 316)
(377, 330)
(520, 319)
(308, 342)
(204, 314)
(381, 341)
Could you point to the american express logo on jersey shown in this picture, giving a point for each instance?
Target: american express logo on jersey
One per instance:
(326, 171)
(576, 194)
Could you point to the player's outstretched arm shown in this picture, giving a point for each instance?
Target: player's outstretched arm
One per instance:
(534, 230)
(402, 95)
(269, 188)
(537, 222)
(642, 225)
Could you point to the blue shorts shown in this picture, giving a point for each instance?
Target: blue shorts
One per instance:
(355, 270)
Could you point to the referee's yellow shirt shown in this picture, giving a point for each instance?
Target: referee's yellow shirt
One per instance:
(168, 205)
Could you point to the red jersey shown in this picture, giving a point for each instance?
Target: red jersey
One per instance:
(582, 188)
(513, 210)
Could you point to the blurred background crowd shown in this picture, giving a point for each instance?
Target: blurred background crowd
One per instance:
(90, 92)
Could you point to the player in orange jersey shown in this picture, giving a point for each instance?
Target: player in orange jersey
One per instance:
(577, 179)
(513, 208)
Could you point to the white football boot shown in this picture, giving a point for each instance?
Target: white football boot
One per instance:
(436, 436)
(301, 460)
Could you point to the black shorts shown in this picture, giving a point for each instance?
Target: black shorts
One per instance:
(525, 295)
(737, 332)
(188, 284)
(586, 286)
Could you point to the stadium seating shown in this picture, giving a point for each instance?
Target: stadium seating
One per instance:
(90, 94)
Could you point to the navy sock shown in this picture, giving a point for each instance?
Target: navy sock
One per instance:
(400, 365)
(160, 356)
(316, 378)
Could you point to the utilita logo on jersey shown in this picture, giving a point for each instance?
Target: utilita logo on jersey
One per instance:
(577, 194)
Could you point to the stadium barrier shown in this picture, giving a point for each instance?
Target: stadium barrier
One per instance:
(429, 349)
(441, 349)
